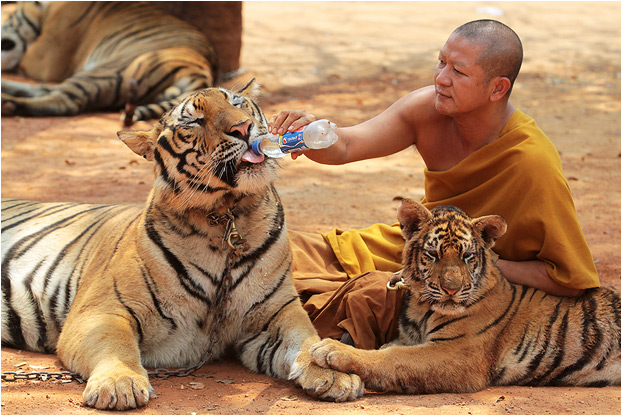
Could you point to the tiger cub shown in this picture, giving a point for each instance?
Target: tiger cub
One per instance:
(104, 55)
(464, 326)
(201, 268)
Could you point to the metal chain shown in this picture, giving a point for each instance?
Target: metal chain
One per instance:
(41, 375)
(397, 282)
(238, 246)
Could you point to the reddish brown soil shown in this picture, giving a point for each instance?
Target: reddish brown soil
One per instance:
(348, 61)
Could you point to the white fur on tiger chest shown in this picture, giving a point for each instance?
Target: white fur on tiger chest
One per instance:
(194, 320)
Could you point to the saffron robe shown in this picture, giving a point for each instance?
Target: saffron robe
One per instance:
(518, 176)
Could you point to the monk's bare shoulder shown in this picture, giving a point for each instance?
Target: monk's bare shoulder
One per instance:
(417, 109)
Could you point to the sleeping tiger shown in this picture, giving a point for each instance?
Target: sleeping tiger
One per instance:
(463, 326)
(203, 266)
(105, 55)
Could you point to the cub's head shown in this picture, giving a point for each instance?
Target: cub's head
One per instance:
(201, 148)
(21, 28)
(447, 253)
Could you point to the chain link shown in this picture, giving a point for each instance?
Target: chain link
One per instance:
(238, 246)
(41, 375)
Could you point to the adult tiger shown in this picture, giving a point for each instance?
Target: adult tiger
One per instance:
(111, 286)
(105, 55)
(464, 326)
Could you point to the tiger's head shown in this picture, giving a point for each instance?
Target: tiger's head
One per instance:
(201, 148)
(447, 254)
(21, 28)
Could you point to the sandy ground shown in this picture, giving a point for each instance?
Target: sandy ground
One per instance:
(348, 61)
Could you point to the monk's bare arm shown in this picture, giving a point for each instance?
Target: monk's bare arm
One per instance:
(389, 132)
(533, 273)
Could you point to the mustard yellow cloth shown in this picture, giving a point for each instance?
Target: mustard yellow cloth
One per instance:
(519, 176)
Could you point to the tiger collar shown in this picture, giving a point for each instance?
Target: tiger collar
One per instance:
(232, 236)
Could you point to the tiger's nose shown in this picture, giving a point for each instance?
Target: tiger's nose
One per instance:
(242, 130)
(449, 291)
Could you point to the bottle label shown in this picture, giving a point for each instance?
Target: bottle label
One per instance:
(292, 142)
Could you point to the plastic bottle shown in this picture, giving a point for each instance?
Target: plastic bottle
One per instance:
(317, 135)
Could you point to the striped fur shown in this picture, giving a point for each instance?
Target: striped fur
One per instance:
(110, 286)
(104, 55)
(464, 326)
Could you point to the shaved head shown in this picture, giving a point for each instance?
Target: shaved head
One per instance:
(502, 55)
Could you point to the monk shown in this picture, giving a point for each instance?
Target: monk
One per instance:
(482, 155)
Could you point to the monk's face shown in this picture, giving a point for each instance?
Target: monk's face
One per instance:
(461, 84)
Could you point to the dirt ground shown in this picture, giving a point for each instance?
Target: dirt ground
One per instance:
(347, 61)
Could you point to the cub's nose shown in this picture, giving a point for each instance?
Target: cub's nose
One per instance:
(241, 131)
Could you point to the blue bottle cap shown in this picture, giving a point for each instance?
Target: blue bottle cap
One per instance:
(255, 148)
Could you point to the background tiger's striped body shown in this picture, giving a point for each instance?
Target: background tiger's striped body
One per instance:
(104, 55)
(464, 326)
(129, 286)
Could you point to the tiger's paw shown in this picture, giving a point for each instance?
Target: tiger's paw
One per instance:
(119, 391)
(327, 384)
(329, 353)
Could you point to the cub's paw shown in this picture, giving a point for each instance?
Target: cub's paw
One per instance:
(119, 391)
(329, 353)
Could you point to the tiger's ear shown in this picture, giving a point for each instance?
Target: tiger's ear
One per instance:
(490, 228)
(411, 216)
(250, 90)
(141, 142)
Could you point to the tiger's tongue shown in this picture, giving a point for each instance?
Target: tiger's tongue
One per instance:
(251, 157)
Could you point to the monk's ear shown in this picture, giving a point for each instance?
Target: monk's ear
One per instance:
(500, 88)
(490, 228)
(140, 141)
(412, 216)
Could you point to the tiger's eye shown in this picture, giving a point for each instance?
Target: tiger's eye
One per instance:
(432, 253)
(468, 256)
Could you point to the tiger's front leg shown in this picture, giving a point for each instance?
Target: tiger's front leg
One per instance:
(282, 350)
(23, 89)
(418, 369)
(67, 98)
(104, 349)
(56, 103)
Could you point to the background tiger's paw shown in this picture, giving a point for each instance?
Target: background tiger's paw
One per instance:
(330, 385)
(118, 391)
(329, 353)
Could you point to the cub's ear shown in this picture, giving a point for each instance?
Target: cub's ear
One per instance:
(141, 142)
(411, 216)
(490, 228)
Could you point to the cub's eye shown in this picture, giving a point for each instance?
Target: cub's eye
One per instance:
(468, 256)
(433, 254)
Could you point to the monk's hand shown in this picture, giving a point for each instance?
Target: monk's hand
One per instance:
(289, 120)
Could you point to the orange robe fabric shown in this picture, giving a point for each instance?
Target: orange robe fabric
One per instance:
(519, 176)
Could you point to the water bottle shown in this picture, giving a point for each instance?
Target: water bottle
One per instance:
(317, 135)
